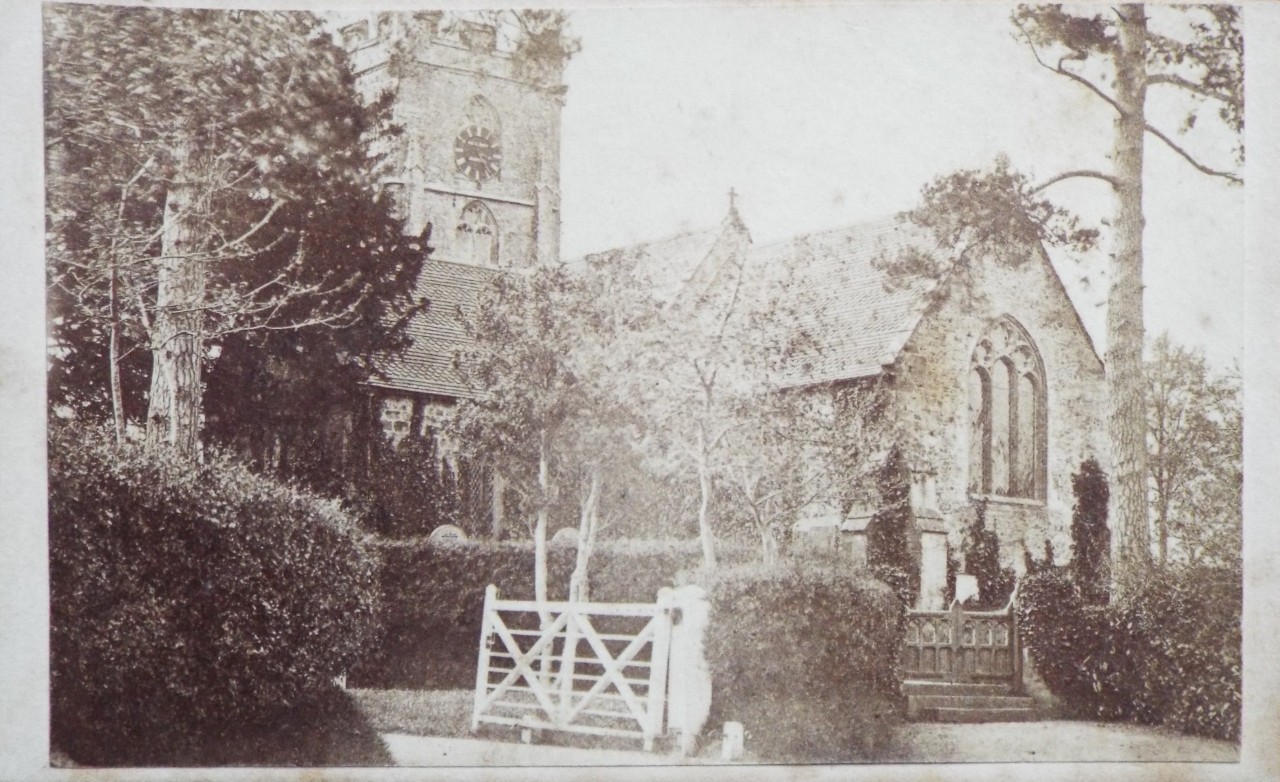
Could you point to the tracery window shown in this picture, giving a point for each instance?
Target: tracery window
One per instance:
(477, 235)
(1007, 453)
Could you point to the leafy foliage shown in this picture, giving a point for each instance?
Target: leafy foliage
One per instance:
(1168, 653)
(891, 531)
(1194, 447)
(806, 658)
(191, 604)
(211, 191)
(1090, 536)
(981, 548)
(997, 214)
(406, 490)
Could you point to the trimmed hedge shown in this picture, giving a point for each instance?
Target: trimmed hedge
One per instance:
(434, 598)
(1168, 654)
(199, 612)
(806, 658)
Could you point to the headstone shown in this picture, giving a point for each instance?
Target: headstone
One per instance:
(565, 536)
(448, 533)
(966, 587)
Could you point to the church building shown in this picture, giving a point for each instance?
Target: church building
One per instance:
(996, 383)
(999, 385)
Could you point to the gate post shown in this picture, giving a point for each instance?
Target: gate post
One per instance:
(1015, 644)
(689, 679)
(660, 651)
(958, 672)
(482, 666)
(568, 661)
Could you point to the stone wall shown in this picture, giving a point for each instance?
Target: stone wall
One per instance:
(932, 402)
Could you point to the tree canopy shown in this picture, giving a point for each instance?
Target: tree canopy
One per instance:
(210, 192)
(1194, 441)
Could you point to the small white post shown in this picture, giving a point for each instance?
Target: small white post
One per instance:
(734, 739)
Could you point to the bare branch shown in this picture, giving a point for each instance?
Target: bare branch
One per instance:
(258, 226)
(1227, 175)
(1078, 174)
(1058, 69)
(1187, 84)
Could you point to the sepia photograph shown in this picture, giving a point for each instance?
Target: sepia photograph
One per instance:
(686, 387)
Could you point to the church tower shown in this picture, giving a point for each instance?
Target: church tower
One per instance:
(479, 153)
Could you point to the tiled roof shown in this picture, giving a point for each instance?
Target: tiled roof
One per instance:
(859, 319)
(438, 333)
(669, 263)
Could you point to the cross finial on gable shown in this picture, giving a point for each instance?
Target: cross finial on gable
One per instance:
(732, 218)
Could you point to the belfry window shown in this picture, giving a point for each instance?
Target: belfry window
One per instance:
(1006, 388)
(477, 235)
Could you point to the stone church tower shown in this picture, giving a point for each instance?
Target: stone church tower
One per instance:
(477, 159)
(479, 153)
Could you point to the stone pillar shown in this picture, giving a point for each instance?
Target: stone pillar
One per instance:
(933, 569)
(688, 674)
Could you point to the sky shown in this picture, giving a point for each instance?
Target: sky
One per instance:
(821, 117)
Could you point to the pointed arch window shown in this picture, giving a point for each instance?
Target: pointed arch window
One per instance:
(1006, 388)
(477, 235)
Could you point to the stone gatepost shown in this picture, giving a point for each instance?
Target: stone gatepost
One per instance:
(933, 542)
(933, 565)
(688, 674)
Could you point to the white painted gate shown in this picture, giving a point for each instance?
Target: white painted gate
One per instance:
(549, 666)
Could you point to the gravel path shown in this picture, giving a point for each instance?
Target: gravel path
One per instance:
(436, 751)
(1054, 740)
(1049, 741)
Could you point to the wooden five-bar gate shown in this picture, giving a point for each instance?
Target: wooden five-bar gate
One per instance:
(597, 668)
(963, 646)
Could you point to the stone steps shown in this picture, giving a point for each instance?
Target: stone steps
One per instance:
(966, 702)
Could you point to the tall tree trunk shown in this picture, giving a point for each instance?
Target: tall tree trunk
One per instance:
(113, 356)
(173, 417)
(1131, 541)
(704, 504)
(588, 525)
(540, 529)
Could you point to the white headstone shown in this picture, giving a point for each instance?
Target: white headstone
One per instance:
(449, 533)
(565, 536)
(966, 587)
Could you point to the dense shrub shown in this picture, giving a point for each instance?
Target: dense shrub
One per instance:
(191, 603)
(405, 489)
(1090, 536)
(1169, 653)
(434, 598)
(806, 658)
(892, 539)
(981, 547)
(1077, 651)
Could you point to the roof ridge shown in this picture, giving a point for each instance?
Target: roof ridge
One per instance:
(891, 219)
(716, 230)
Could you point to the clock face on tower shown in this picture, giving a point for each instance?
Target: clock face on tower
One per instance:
(477, 153)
